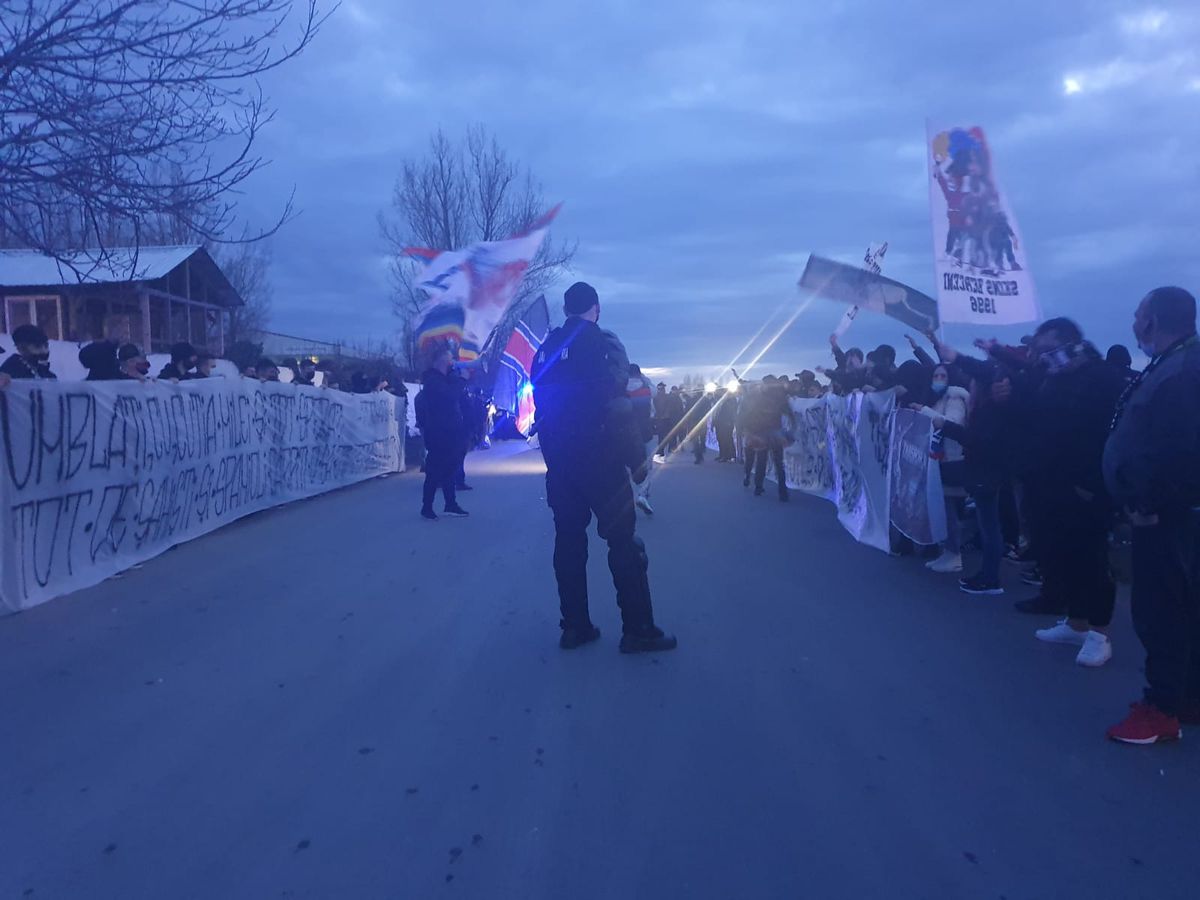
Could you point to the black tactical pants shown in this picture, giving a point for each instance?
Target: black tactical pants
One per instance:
(442, 460)
(578, 486)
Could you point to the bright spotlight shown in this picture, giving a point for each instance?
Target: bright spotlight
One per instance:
(1072, 86)
(732, 385)
(710, 388)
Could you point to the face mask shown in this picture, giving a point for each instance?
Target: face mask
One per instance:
(939, 387)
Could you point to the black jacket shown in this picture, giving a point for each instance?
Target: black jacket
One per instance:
(18, 367)
(1152, 457)
(100, 359)
(579, 379)
(439, 410)
(170, 370)
(1068, 422)
(727, 411)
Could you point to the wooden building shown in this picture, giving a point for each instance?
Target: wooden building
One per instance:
(153, 296)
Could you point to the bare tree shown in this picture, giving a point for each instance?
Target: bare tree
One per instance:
(115, 114)
(246, 266)
(456, 194)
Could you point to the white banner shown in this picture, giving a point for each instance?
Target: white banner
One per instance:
(846, 450)
(918, 510)
(841, 453)
(98, 476)
(979, 257)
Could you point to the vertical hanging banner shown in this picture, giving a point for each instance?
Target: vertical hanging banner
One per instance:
(918, 511)
(979, 257)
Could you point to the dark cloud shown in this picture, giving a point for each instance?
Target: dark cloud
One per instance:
(703, 149)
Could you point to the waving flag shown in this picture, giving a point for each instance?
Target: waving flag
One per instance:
(526, 338)
(481, 280)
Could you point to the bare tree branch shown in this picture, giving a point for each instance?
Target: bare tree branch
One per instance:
(118, 113)
(456, 194)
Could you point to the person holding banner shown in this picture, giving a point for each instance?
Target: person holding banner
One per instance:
(591, 445)
(984, 471)
(32, 359)
(949, 407)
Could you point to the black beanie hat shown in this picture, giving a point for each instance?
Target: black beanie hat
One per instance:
(579, 298)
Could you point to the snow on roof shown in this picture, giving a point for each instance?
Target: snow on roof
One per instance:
(32, 268)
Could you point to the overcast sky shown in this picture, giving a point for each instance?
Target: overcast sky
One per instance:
(703, 149)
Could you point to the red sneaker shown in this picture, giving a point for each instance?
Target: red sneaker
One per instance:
(1146, 724)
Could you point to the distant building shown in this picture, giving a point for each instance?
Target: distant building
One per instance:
(154, 296)
(287, 346)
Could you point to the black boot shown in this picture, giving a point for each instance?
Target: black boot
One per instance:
(577, 637)
(647, 639)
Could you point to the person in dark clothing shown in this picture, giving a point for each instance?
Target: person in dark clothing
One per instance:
(984, 467)
(881, 368)
(440, 418)
(306, 374)
(591, 445)
(724, 422)
(267, 370)
(183, 360)
(205, 362)
(100, 359)
(850, 374)
(32, 359)
(1119, 358)
(132, 363)
(1068, 421)
(675, 410)
(662, 418)
(765, 435)
(1150, 469)
(1118, 355)
(695, 424)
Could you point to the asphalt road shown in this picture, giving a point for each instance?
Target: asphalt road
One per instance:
(340, 700)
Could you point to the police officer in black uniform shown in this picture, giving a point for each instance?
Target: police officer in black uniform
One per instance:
(591, 443)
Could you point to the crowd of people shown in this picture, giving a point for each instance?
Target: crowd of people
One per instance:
(1048, 453)
(115, 360)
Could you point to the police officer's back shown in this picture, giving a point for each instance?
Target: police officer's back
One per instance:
(590, 442)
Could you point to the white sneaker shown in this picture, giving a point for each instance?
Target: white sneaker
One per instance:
(947, 562)
(643, 503)
(1062, 633)
(1096, 650)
